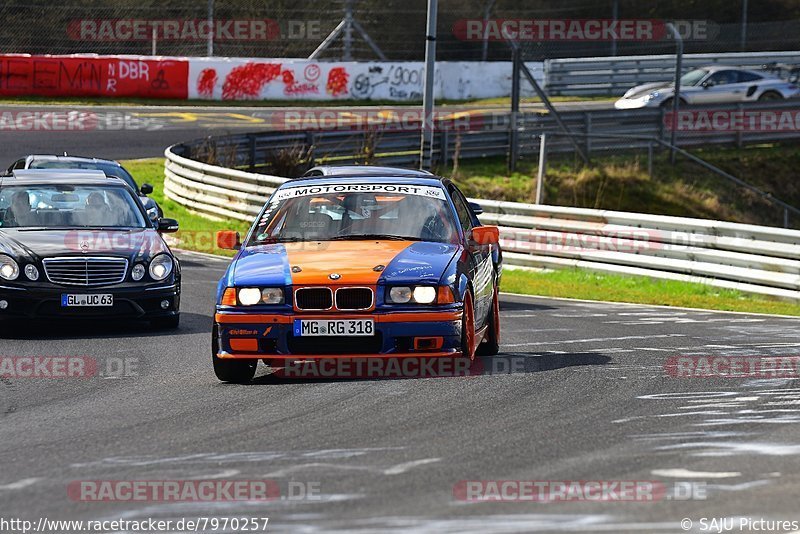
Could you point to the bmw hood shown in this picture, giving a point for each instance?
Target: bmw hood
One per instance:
(341, 263)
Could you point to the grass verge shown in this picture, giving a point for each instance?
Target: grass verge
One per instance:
(581, 284)
(197, 234)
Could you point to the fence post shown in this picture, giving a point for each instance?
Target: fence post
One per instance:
(251, 142)
(513, 129)
(650, 159)
(444, 149)
(542, 169)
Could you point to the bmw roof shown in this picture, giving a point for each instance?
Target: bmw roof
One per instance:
(420, 179)
(362, 170)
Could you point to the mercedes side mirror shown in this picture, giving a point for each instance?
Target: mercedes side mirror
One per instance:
(167, 226)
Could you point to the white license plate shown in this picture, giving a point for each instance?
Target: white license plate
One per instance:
(334, 327)
(86, 301)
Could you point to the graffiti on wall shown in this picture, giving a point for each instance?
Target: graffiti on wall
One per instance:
(253, 80)
(93, 76)
(247, 79)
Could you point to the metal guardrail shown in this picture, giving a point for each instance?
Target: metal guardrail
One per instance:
(613, 76)
(481, 136)
(753, 259)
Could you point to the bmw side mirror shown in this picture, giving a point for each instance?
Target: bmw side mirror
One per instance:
(167, 226)
(476, 208)
(146, 189)
(706, 84)
(229, 240)
(486, 235)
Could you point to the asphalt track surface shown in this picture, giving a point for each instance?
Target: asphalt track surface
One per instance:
(121, 132)
(587, 398)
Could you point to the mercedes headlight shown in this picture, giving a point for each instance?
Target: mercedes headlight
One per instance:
(137, 273)
(9, 270)
(160, 267)
(31, 272)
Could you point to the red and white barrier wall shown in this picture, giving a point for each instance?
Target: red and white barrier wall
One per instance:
(246, 79)
(93, 76)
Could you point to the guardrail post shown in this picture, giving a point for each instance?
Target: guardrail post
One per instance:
(542, 168)
(444, 149)
(587, 121)
(650, 159)
(251, 142)
(310, 141)
(739, 135)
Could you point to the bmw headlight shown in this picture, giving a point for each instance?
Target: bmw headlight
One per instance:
(9, 270)
(31, 272)
(160, 267)
(250, 296)
(417, 294)
(400, 295)
(152, 213)
(272, 295)
(424, 294)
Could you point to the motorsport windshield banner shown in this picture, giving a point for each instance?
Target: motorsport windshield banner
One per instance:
(394, 189)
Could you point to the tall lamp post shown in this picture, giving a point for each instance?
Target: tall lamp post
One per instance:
(426, 146)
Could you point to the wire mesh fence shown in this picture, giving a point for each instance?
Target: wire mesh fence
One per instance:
(296, 29)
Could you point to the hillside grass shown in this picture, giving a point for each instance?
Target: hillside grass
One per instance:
(621, 182)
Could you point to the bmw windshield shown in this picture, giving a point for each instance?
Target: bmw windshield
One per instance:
(51, 206)
(356, 211)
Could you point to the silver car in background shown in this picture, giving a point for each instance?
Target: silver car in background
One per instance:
(711, 85)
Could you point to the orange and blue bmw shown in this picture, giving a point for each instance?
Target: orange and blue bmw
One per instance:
(381, 264)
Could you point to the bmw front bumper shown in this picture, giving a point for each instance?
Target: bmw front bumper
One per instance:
(397, 334)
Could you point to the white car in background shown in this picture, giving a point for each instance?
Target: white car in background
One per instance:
(711, 85)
